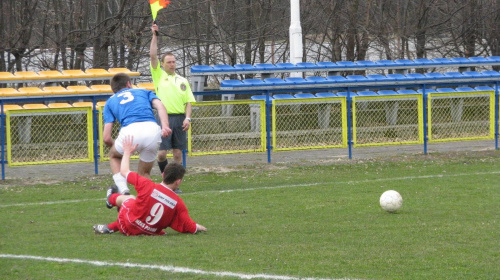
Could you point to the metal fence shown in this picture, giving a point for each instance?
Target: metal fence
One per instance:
(40, 136)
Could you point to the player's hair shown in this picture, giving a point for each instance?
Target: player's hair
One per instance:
(165, 55)
(173, 172)
(119, 82)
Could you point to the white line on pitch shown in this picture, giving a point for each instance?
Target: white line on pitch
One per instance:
(168, 268)
(271, 188)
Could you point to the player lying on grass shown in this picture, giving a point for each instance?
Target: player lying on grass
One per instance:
(156, 207)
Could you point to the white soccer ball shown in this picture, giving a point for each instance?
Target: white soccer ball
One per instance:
(391, 201)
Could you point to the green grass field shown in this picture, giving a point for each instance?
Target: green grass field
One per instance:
(284, 222)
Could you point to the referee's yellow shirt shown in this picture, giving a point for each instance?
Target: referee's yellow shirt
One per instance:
(173, 90)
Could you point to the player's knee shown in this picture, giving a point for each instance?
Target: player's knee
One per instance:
(162, 155)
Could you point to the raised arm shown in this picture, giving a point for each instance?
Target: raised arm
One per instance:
(128, 150)
(153, 49)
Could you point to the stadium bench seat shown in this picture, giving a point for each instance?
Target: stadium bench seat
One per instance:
(82, 104)
(306, 65)
(35, 106)
(8, 92)
(27, 75)
(31, 91)
(100, 103)
(356, 78)
(325, 94)
(148, 86)
(386, 63)
(327, 64)
(397, 77)
(55, 90)
(253, 82)
(265, 66)
(98, 72)
(296, 81)
(366, 93)
(286, 66)
(442, 60)
(424, 61)
(407, 91)
(464, 89)
(405, 62)
(81, 90)
(365, 63)
(127, 71)
(8, 107)
(317, 80)
(75, 73)
(478, 59)
(445, 90)
(344, 93)
(346, 64)
(304, 95)
(276, 82)
(50, 74)
(387, 92)
(484, 88)
(283, 96)
(454, 75)
(7, 76)
(102, 88)
(224, 68)
(336, 79)
(415, 76)
(231, 83)
(244, 67)
(59, 105)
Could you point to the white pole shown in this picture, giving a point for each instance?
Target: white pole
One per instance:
(295, 32)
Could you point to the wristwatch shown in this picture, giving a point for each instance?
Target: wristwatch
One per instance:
(189, 119)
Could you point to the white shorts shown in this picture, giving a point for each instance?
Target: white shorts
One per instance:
(146, 134)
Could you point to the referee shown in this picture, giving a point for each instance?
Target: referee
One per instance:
(175, 93)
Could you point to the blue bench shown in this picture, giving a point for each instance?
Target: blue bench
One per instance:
(360, 80)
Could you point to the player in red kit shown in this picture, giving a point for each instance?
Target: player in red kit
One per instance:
(156, 206)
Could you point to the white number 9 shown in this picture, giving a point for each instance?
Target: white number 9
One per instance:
(155, 214)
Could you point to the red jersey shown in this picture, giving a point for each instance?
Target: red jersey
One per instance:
(155, 208)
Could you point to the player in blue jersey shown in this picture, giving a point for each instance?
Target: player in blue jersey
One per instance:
(133, 110)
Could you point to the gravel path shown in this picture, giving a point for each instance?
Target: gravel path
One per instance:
(221, 163)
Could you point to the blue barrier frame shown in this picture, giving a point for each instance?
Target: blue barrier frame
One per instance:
(267, 92)
(360, 86)
(95, 115)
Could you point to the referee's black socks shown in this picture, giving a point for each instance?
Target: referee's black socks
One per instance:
(162, 164)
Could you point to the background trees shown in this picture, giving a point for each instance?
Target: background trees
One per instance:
(82, 34)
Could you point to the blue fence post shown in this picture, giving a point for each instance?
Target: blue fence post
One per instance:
(95, 117)
(269, 147)
(349, 123)
(2, 138)
(424, 92)
(497, 108)
(184, 158)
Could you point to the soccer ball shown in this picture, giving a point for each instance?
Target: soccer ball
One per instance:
(391, 201)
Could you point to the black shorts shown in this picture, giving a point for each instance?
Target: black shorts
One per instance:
(178, 138)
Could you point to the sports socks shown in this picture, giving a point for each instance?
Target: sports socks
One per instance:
(114, 226)
(121, 183)
(162, 164)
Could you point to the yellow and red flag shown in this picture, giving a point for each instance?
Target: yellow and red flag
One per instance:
(157, 5)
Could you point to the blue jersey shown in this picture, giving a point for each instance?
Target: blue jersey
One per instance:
(130, 106)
